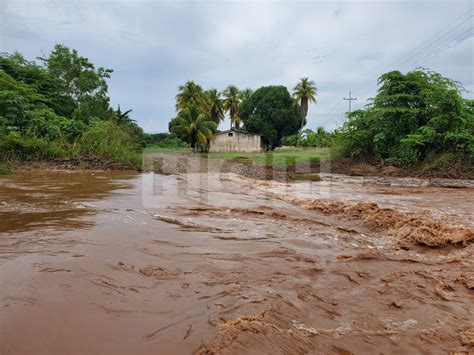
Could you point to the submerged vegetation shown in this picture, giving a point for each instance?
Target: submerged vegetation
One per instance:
(60, 109)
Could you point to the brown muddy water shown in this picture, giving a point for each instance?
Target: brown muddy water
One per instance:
(121, 263)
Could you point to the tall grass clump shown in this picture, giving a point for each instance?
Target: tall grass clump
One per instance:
(5, 170)
(15, 147)
(107, 140)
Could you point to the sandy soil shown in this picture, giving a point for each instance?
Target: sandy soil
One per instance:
(217, 263)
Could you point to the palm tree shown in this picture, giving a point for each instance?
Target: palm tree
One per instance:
(231, 104)
(194, 124)
(304, 93)
(189, 93)
(123, 117)
(214, 105)
(245, 94)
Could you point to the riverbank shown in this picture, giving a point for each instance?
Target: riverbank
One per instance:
(282, 165)
(296, 166)
(72, 163)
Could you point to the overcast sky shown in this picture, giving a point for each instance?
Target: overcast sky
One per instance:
(155, 46)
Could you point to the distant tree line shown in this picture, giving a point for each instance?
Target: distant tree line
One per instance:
(320, 138)
(163, 140)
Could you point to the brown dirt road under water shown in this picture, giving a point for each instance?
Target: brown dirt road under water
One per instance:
(117, 263)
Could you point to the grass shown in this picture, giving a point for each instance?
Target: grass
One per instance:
(158, 149)
(281, 157)
(5, 170)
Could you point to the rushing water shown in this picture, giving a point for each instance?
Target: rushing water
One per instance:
(119, 263)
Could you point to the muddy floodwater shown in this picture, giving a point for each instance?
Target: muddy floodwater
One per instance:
(217, 263)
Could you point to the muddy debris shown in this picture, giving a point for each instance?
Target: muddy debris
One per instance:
(404, 229)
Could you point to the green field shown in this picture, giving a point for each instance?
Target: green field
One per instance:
(157, 149)
(281, 157)
(276, 158)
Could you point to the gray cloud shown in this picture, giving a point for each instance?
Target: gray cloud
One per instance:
(155, 46)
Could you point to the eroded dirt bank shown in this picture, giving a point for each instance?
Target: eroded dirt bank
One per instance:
(107, 263)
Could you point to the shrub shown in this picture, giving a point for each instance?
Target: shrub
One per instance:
(415, 116)
(106, 139)
(163, 140)
(16, 147)
(5, 170)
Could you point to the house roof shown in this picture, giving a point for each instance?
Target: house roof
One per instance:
(238, 131)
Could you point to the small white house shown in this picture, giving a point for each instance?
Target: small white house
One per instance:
(236, 140)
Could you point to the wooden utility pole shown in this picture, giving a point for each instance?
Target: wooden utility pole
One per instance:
(350, 99)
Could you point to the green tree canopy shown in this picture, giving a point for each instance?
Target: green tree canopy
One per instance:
(413, 116)
(304, 93)
(190, 93)
(46, 108)
(215, 105)
(231, 104)
(81, 84)
(270, 112)
(245, 94)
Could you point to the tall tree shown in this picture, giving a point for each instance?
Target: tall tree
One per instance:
(304, 93)
(194, 126)
(270, 112)
(215, 105)
(81, 83)
(231, 105)
(189, 93)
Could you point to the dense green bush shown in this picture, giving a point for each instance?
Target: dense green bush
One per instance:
(44, 123)
(108, 140)
(414, 117)
(163, 140)
(61, 108)
(15, 147)
(314, 139)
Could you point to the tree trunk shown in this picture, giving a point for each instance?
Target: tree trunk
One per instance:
(214, 117)
(303, 113)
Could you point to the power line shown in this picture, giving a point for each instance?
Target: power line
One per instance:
(443, 48)
(434, 39)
